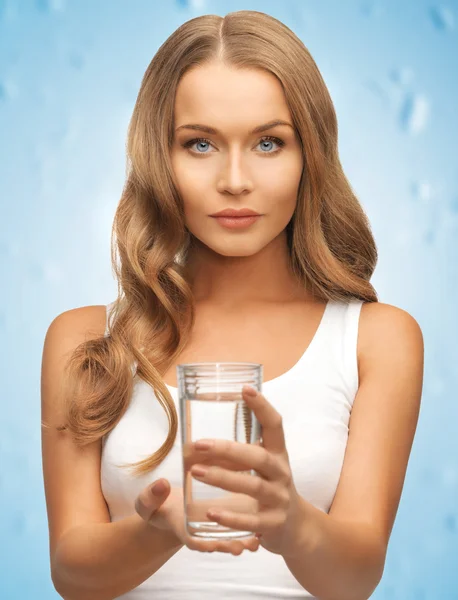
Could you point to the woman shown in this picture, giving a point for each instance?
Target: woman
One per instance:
(232, 114)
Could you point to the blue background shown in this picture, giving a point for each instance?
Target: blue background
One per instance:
(69, 75)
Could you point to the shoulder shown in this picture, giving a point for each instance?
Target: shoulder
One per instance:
(65, 333)
(386, 330)
(77, 325)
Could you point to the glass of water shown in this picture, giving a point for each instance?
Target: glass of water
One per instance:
(212, 407)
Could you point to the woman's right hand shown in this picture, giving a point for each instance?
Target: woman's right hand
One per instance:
(165, 511)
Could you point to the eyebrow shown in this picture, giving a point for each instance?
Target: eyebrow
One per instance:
(259, 129)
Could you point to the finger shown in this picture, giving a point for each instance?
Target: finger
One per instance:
(235, 547)
(251, 543)
(148, 501)
(266, 492)
(270, 419)
(204, 545)
(203, 457)
(247, 456)
(259, 522)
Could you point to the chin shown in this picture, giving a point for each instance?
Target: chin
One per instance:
(234, 249)
(236, 254)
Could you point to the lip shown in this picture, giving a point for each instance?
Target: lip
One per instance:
(237, 222)
(233, 212)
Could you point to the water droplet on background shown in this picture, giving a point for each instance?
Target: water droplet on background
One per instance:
(443, 18)
(414, 113)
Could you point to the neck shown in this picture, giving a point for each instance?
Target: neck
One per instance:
(232, 280)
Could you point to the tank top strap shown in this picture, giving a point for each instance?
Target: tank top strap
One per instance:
(337, 347)
(107, 318)
(350, 342)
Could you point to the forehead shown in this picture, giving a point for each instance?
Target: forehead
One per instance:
(216, 92)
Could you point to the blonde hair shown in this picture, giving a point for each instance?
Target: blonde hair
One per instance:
(331, 247)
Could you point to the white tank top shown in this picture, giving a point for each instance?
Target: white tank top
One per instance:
(315, 398)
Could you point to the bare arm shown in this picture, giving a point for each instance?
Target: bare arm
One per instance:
(341, 555)
(335, 560)
(101, 561)
(90, 557)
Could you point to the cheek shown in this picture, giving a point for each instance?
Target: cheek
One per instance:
(195, 212)
(194, 190)
(282, 211)
(281, 182)
(188, 176)
(195, 183)
(282, 195)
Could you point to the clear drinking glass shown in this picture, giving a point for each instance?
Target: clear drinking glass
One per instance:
(212, 407)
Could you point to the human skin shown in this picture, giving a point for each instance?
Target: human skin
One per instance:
(236, 169)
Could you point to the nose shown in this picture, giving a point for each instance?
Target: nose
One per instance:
(234, 176)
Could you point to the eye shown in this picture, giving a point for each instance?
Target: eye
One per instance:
(266, 139)
(196, 141)
(269, 139)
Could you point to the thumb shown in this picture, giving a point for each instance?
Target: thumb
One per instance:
(151, 498)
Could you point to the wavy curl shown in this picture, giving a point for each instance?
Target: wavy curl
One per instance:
(332, 250)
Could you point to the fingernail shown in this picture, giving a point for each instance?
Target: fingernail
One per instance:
(247, 389)
(158, 488)
(203, 444)
(214, 514)
(200, 471)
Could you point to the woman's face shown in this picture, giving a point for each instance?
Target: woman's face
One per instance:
(234, 167)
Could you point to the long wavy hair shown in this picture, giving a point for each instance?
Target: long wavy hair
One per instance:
(332, 250)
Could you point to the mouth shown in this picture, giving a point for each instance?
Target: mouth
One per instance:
(236, 222)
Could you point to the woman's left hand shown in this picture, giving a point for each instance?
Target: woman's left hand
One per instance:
(277, 519)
